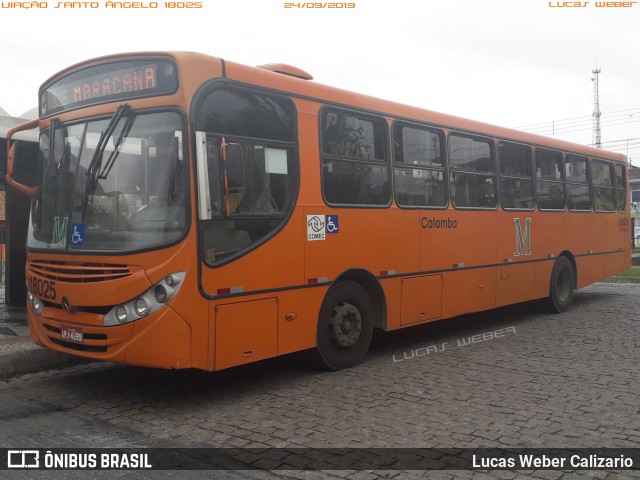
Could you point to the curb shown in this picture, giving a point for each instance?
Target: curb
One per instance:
(20, 355)
(622, 280)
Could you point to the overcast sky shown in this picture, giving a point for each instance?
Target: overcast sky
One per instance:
(511, 63)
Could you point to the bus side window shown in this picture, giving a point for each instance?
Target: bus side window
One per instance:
(516, 176)
(578, 189)
(355, 163)
(603, 181)
(473, 172)
(419, 167)
(621, 187)
(550, 180)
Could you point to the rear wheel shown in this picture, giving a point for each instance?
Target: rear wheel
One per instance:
(345, 326)
(562, 285)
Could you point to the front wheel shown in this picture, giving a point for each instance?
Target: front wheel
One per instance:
(345, 326)
(562, 285)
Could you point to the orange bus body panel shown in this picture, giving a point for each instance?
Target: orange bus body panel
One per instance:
(246, 332)
(428, 264)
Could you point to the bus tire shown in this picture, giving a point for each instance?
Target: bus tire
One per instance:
(345, 326)
(562, 285)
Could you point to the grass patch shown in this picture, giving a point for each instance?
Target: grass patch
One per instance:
(632, 272)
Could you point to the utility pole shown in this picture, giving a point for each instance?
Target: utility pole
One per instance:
(596, 139)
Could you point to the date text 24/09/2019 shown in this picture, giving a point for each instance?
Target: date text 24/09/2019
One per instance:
(320, 5)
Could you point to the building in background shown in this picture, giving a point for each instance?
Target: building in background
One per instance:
(14, 214)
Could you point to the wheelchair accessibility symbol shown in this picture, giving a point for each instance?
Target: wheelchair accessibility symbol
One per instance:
(77, 234)
(332, 224)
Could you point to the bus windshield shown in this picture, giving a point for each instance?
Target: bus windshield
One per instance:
(110, 184)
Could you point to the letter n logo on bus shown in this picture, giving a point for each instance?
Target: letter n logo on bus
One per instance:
(523, 239)
(59, 231)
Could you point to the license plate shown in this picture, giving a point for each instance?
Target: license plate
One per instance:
(72, 334)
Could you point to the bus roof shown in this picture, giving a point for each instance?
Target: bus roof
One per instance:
(337, 96)
(297, 82)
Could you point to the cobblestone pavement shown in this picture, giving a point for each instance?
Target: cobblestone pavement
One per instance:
(13, 319)
(513, 377)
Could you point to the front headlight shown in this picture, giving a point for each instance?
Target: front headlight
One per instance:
(121, 314)
(149, 302)
(141, 307)
(161, 294)
(34, 303)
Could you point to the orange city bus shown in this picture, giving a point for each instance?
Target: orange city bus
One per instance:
(191, 212)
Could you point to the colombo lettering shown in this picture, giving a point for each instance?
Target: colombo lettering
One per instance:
(429, 223)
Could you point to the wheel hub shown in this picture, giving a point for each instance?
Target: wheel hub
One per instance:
(346, 324)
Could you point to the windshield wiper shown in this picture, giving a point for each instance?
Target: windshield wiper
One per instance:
(52, 136)
(126, 128)
(93, 171)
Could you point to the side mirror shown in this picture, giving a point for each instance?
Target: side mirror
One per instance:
(23, 169)
(26, 167)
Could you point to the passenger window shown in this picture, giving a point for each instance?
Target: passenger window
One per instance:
(418, 147)
(473, 172)
(516, 179)
(578, 191)
(603, 181)
(355, 167)
(419, 170)
(550, 180)
(621, 187)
